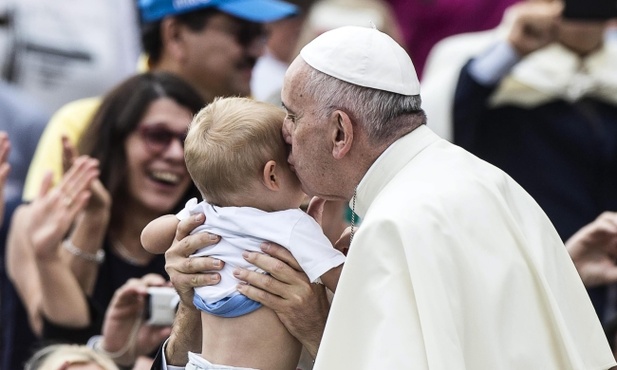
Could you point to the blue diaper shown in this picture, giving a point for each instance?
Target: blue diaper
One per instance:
(234, 306)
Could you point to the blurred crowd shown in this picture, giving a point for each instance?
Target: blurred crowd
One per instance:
(96, 98)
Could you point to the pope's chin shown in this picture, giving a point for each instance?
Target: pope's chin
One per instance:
(313, 193)
(303, 186)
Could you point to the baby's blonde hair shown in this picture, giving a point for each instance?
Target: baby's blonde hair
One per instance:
(54, 356)
(229, 142)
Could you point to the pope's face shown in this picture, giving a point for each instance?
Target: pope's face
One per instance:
(308, 135)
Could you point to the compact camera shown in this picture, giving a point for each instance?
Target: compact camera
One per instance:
(161, 306)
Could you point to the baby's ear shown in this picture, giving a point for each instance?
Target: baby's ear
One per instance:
(270, 176)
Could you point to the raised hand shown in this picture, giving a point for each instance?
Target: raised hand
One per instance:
(594, 250)
(125, 335)
(55, 210)
(535, 25)
(100, 199)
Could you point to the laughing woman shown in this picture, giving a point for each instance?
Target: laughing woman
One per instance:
(81, 238)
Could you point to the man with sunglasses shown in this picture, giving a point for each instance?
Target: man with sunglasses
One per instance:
(211, 44)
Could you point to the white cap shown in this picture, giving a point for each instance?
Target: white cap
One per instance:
(363, 56)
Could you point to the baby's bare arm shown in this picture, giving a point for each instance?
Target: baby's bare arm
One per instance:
(158, 235)
(330, 277)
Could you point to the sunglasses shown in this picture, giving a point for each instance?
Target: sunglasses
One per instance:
(158, 137)
(245, 33)
(251, 33)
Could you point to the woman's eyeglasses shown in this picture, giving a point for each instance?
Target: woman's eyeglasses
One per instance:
(158, 137)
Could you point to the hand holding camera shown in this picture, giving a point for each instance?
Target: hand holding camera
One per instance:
(127, 333)
(161, 306)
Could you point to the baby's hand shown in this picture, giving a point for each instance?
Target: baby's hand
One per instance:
(342, 244)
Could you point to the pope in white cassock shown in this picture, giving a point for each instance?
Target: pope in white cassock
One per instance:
(454, 266)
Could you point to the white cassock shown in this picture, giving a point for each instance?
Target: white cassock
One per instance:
(455, 266)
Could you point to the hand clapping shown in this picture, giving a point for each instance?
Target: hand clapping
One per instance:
(594, 250)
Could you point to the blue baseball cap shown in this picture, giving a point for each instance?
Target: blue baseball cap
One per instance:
(259, 11)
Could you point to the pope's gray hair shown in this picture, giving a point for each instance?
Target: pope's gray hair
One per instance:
(384, 115)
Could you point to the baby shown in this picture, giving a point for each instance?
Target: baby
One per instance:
(236, 155)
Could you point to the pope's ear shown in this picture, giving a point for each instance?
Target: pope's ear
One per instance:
(342, 136)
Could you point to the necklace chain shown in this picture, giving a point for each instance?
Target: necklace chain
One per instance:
(353, 216)
(125, 254)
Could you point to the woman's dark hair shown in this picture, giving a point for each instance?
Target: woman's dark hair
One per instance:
(119, 115)
(152, 41)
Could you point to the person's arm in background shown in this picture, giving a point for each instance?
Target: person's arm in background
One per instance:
(5, 148)
(38, 228)
(21, 267)
(70, 121)
(63, 301)
(90, 227)
(534, 26)
(125, 337)
(593, 249)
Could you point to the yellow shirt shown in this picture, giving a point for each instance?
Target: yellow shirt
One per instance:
(71, 120)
